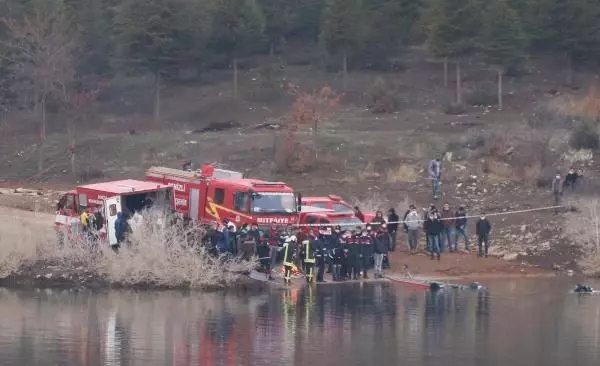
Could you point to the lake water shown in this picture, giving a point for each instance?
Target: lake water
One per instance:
(518, 322)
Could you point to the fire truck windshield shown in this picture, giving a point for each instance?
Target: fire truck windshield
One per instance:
(273, 202)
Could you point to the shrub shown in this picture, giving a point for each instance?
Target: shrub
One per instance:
(155, 254)
(384, 96)
(455, 109)
(584, 136)
(481, 97)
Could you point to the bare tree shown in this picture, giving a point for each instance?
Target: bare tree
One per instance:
(42, 63)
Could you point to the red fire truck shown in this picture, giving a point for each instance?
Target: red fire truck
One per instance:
(212, 195)
(110, 198)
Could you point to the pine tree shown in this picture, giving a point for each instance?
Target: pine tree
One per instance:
(503, 41)
(567, 27)
(237, 30)
(342, 30)
(389, 27)
(93, 20)
(454, 32)
(156, 36)
(278, 20)
(307, 17)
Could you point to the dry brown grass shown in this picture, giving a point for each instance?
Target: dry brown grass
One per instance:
(402, 173)
(19, 239)
(368, 172)
(155, 254)
(587, 106)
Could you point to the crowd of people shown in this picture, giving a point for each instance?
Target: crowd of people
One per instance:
(351, 252)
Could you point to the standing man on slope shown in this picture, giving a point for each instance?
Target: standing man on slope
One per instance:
(483, 229)
(557, 191)
(435, 174)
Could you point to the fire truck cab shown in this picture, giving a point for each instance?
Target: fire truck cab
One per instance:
(212, 195)
(316, 216)
(335, 203)
(109, 199)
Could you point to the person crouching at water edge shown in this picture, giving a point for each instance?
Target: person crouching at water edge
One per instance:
(289, 258)
(263, 251)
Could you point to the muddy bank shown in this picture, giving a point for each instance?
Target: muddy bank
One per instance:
(43, 276)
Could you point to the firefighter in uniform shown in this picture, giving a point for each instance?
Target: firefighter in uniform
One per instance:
(366, 244)
(289, 258)
(309, 260)
(338, 259)
(263, 251)
(320, 256)
(355, 255)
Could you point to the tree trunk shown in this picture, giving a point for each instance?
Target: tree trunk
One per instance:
(272, 47)
(569, 71)
(42, 133)
(500, 74)
(157, 85)
(458, 84)
(345, 71)
(446, 72)
(235, 78)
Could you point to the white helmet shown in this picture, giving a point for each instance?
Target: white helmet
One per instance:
(291, 238)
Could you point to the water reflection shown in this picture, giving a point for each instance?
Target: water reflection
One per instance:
(354, 324)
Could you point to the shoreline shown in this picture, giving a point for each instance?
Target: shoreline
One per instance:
(24, 281)
(33, 277)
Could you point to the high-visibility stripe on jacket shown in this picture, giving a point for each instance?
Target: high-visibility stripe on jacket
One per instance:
(308, 258)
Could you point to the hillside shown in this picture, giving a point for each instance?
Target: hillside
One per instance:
(493, 160)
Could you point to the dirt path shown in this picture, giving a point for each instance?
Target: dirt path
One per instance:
(461, 265)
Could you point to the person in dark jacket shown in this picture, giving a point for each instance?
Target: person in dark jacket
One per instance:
(338, 260)
(320, 254)
(380, 247)
(447, 234)
(120, 230)
(355, 255)
(434, 227)
(378, 220)
(326, 237)
(557, 191)
(461, 227)
(392, 227)
(366, 250)
(224, 241)
(483, 229)
(345, 241)
(571, 179)
(334, 243)
(263, 250)
(426, 214)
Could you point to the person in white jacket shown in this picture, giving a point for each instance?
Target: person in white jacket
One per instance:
(413, 224)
